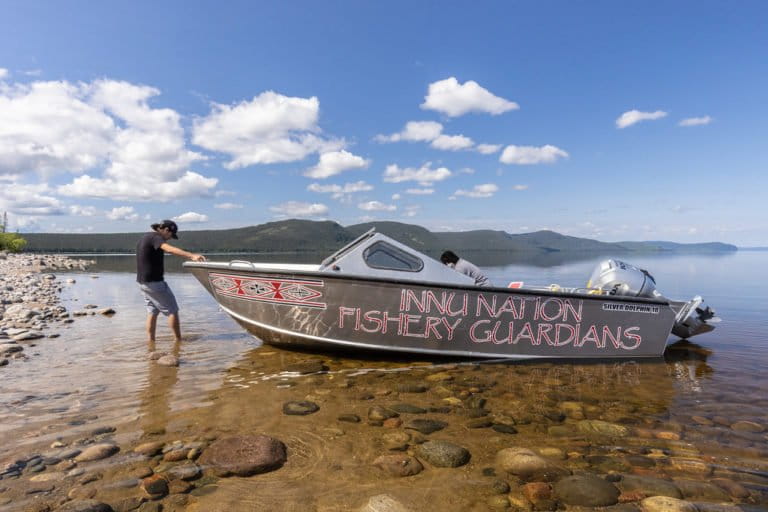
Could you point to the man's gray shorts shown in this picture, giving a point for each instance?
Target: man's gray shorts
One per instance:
(159, 298)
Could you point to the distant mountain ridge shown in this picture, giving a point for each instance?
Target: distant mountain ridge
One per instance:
(327, 236)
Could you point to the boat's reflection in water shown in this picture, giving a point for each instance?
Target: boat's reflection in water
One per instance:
(688, 362)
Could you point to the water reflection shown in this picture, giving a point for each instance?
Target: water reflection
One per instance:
(689, 363)
(155, 397)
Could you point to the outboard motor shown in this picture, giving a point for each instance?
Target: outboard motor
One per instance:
(694, 318)
(614, 277)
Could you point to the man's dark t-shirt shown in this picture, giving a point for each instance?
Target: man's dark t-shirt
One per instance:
(149, 258)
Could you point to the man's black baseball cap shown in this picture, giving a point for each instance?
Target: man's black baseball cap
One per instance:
(170, 225)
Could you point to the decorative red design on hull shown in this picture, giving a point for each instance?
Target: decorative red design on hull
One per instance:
(289, 292)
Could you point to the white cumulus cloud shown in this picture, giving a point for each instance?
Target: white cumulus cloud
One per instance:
(695, 121)
(635, 116)
(191, 218)
(30, 200)
(377, 206)
(190, 184)
(420, 191)
(411, 211)
(525, 155)
(228, 206)
(339, 191)
(428, 131)
(299, 209)
(424, 175)
(83, 211)
(105, 131)
(127, 213)
(479, 191)
(454, 99)
(488, 149)
(452, 142)
(335, 162)
(415, 131)
(271, 128)
(3, 73)
(520, 187)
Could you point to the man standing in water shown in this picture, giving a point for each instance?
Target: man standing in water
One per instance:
(150, 273)
(459, 265)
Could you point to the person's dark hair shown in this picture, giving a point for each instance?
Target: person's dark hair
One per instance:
(449, 257)
(166, 224)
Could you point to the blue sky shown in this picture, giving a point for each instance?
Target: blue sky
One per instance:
(608, 120)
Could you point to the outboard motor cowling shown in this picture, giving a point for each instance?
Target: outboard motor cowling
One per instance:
(614, 277)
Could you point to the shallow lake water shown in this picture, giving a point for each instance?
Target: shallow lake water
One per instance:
(697, 415)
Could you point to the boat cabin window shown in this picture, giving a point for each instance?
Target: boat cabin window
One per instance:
(388, 257)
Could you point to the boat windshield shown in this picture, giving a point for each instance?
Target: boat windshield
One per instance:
(386, 256)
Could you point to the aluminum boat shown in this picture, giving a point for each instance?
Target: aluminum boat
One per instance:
(378, 294)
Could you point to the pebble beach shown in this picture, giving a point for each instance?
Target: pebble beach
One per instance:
(320, 432)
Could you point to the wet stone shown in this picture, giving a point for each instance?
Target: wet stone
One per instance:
(600, 427)
(408, 409)
(300, 408)
(175, 455)
(735, 489)
(179, 487)
(748, 426)
(396, 441)
(701, 420)
(150, 449)
(398, 465)
(97, 452)
(244, 455)
(102, 430)
(84, 506)
(426, 426)
(379, 413)
(443, 454)
(155, 486)
(187, 471)
(479, 423)
(666, 504)
(383, 503)
(586, 491)
(527, 465)
(640, 461)
(504, 429)
(151, 506)
(649, 485)
(128, 504)
(349, 418)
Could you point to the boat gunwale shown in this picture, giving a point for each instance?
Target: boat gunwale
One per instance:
(224, 266)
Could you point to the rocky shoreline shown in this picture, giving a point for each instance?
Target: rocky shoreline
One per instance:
(455, 419)
(29, 301)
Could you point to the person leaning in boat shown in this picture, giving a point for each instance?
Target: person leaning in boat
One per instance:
(150, 272)
(460, 265)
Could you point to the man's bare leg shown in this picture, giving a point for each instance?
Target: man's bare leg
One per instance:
(173, 322)
(151, 327)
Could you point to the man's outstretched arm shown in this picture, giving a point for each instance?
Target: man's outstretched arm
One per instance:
(181, 252)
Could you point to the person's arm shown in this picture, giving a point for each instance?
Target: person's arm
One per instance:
(181, 252)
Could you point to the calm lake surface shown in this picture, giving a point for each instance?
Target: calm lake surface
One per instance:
(685, 407)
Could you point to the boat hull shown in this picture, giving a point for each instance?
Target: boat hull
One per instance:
(324, 311)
